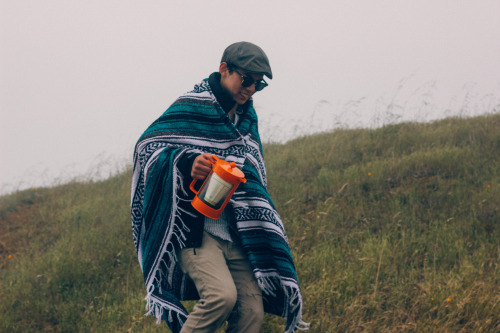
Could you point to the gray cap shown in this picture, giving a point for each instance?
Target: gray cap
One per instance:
(248, 57)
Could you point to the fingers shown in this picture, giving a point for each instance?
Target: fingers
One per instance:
(201, 166)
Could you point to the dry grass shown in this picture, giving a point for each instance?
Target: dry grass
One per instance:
(392, 230)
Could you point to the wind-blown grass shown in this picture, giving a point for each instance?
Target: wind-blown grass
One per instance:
(392, 229)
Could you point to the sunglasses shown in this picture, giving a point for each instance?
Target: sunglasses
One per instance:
(247, 81)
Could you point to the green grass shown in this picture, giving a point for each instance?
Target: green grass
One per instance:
(392, 230)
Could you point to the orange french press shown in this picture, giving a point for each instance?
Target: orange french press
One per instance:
(217, 189)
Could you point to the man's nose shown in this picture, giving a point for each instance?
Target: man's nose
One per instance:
(251, 88)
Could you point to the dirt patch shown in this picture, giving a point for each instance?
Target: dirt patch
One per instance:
(16, 229)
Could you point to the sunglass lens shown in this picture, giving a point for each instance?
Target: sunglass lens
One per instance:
(259, 85)
(247, 81)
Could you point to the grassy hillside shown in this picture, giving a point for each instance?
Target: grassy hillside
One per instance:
(392, 230)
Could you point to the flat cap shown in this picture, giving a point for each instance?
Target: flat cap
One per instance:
(248, 57)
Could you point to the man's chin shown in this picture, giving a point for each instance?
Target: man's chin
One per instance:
(240, 99)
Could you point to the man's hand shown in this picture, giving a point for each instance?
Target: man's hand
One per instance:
(202, 166)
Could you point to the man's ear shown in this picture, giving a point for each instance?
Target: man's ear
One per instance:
(223, 70)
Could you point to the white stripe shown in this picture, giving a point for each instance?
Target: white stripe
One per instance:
(135, 180)
(198, 95)
(192, 140)
(255, 202)
(151, 160)
(249, 225)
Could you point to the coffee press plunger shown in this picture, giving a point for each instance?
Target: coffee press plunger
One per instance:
(217, 189)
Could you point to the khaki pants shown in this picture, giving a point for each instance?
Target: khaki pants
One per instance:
(226, 285)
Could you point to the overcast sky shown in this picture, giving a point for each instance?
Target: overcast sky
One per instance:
(81, 80)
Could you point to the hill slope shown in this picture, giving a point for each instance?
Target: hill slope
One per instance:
(393, 229)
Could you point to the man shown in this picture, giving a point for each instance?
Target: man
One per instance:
(239, 265)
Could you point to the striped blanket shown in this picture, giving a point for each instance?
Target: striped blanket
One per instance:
(160, 209)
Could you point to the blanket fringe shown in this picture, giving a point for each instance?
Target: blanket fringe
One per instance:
(294, 307)
(165, 268)
(157, 309)
(292, 310)
(267, 285)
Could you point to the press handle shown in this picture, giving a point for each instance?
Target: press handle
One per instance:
(192, 186)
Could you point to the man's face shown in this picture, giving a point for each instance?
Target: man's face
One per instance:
(231, 82)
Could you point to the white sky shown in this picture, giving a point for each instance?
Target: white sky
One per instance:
(81, 80)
